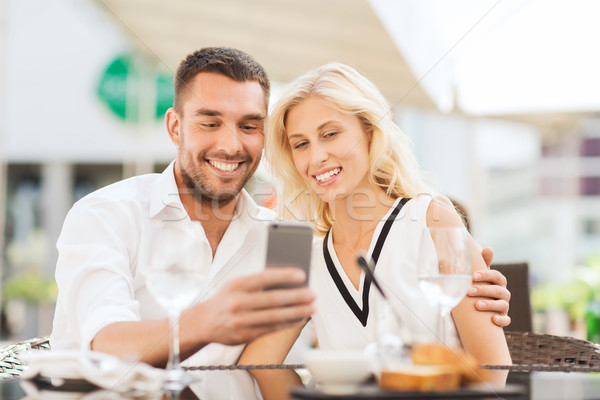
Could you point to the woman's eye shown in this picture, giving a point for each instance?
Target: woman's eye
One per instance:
(300, 145)
(330, 135)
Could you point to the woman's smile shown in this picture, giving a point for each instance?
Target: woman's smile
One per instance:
(327, 176)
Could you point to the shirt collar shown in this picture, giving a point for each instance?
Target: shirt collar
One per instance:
(165, 194)
(246, 207)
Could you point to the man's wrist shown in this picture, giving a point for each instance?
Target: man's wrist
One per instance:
(195, 332)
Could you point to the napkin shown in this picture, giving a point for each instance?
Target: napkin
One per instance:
(101, 369)
(33, 392)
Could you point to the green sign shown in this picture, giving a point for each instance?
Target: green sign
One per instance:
(123, 86)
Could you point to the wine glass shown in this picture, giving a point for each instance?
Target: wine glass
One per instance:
(175, 280)
(444, 269)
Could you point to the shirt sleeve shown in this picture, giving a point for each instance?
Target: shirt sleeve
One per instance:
(94, 276)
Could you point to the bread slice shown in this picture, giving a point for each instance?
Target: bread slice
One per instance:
(453, 357)
(421, 378)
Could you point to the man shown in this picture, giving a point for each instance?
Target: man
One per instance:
(221, 98)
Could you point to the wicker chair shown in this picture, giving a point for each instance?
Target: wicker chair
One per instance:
(10, 365)
(541, 352)
(517, 276)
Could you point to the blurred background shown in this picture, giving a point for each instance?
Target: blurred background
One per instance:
(501, 99)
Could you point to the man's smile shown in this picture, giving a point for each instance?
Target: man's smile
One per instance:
(224, 166)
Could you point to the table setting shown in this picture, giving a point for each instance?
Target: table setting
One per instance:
(394, 367)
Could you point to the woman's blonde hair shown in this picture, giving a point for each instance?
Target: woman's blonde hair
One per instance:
(393, 166)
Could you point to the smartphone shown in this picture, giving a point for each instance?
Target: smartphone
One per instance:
(289, 244)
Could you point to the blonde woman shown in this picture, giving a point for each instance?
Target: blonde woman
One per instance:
(343, 164)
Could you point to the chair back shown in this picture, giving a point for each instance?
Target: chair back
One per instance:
(519, 312)
(10, 364)
(544, 352)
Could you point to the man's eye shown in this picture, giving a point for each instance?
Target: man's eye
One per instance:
(209, 125)
(249, 127)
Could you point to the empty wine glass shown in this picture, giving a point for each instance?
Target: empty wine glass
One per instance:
(444, 269)
(175, 280)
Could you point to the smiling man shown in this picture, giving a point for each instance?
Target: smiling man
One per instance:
(217, 125)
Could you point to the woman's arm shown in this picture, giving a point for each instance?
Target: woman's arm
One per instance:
(479, 336)
(272, 349)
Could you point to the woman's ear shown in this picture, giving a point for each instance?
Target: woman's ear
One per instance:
(172, 122)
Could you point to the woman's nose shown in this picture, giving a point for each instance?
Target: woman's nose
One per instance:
(319, 155)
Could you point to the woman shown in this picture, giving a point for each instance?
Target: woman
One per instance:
(346, 166)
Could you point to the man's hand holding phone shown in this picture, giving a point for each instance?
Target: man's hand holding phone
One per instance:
(242, 310)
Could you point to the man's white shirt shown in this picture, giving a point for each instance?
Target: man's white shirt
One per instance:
(103, 258)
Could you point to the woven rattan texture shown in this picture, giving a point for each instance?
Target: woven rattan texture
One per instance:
(10, 365)
(553, 351)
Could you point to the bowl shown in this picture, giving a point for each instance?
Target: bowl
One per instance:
(338, 371)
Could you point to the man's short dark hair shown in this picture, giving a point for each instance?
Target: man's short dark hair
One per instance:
(232, 63)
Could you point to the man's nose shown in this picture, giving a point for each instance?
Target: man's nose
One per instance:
(230, 140)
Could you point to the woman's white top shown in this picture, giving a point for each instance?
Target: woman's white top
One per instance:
(347, 318)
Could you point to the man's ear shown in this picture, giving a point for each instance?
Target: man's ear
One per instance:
(172, 121)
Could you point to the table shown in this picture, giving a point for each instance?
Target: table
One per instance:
(217, 385)
(521, 386)
(238, 385)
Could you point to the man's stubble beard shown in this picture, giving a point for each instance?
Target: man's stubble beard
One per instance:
(208, 196)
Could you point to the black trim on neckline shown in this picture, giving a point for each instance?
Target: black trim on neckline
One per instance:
(363, 314)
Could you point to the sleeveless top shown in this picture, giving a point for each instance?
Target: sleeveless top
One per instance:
(347, 318)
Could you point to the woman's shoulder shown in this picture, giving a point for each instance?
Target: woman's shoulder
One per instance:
(441, 212)
(430, 200)
(416, 210)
